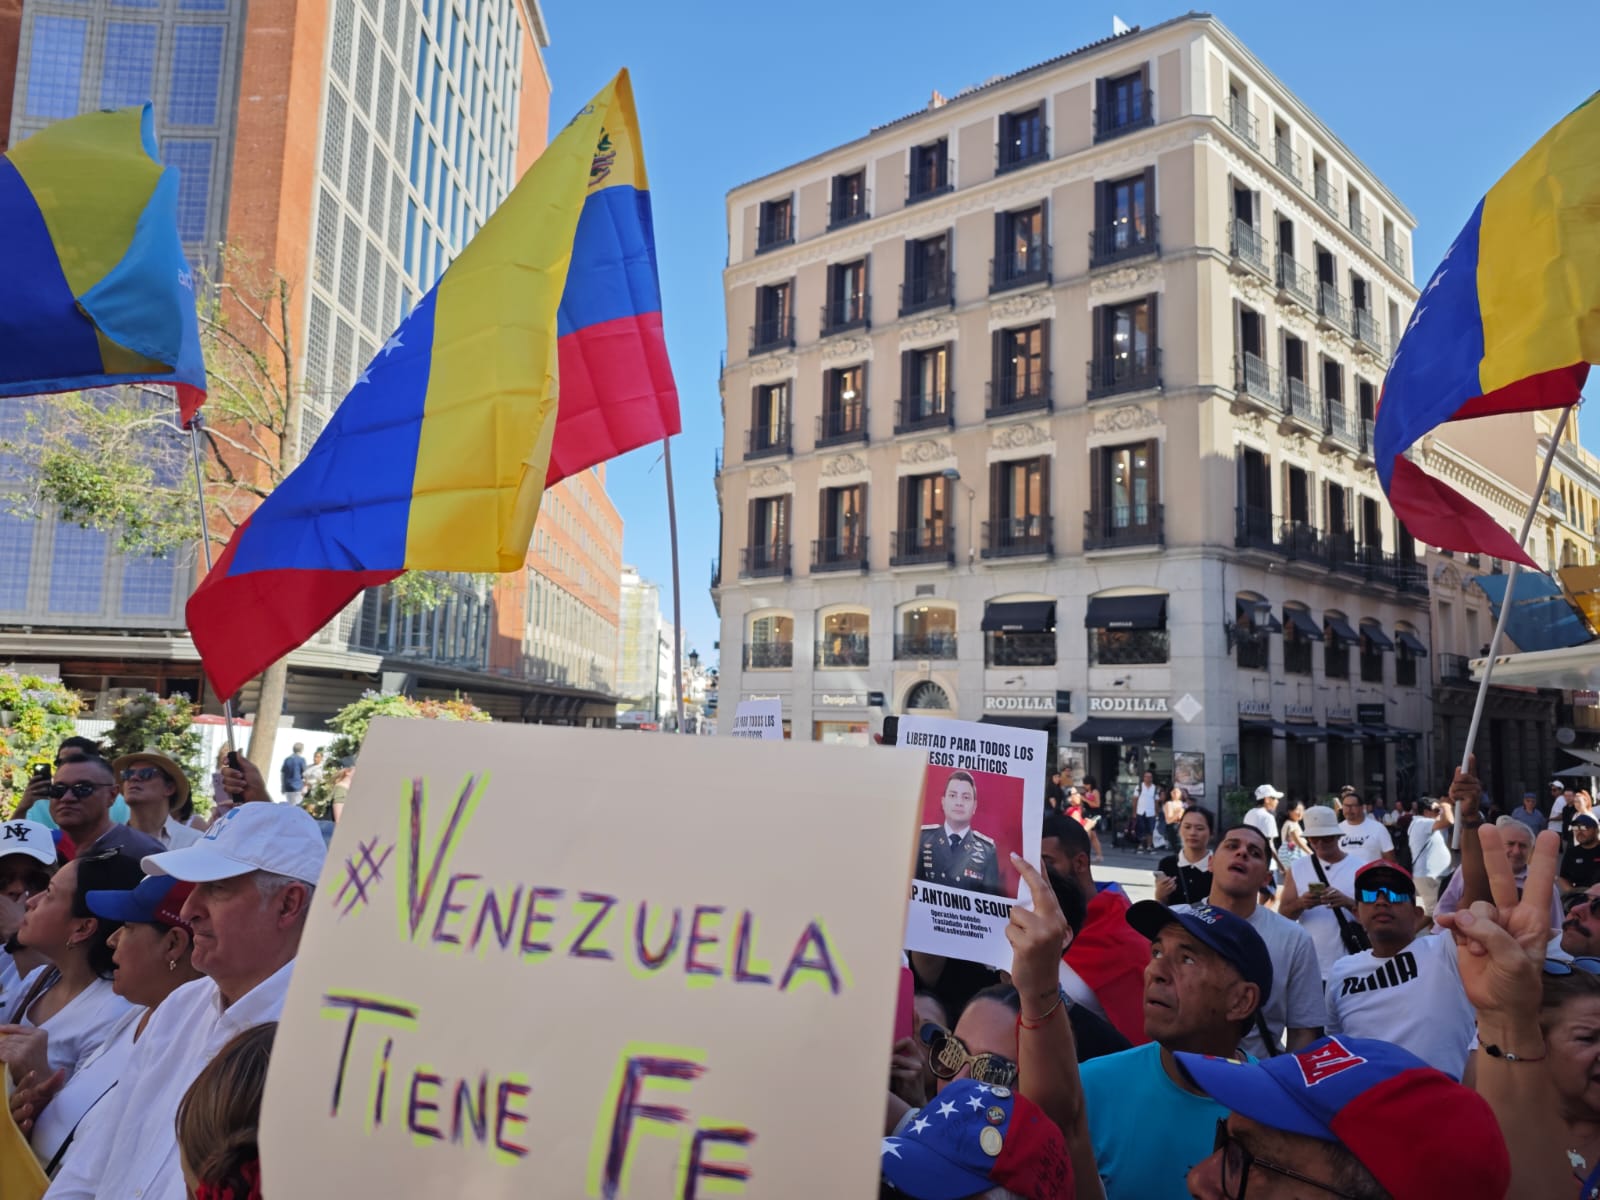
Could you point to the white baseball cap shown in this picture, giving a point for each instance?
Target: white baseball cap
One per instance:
(1320, 821)
(280, 838)
(27, 837)
(1266, 790)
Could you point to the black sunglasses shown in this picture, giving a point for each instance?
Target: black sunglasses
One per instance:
(82, 790)
(1237, 1161)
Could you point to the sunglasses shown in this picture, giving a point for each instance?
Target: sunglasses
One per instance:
(1237, 1162)
(947, 1054)
(1393, 895)
(143, 774)
(81, 791)
(1560, 966)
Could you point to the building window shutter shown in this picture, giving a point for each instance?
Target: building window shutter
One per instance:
(1101, 218)
(1096, 487)
(998, 367)
(1044, 353)
(1150, 206)
(1155, 337)
(999, 509)
(904, 522)
(1153, 452)
(1046, 506)
(911, 267)
(752, 538)
(1097, 333)
(908, 360)
(823, 531)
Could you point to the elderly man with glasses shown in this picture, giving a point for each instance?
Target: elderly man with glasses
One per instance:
(80, 804)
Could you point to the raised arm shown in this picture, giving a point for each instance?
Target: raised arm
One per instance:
(1466, 794)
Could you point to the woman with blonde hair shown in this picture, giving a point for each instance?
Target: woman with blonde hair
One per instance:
(218, 1119)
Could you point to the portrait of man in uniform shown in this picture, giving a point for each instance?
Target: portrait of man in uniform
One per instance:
(953, 853)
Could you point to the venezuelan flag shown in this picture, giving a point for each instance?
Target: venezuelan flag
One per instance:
(1508, 323)
(96, 291)
(439, 455)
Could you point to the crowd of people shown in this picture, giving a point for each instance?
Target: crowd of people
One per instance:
(144, 968)
(1321, 1000)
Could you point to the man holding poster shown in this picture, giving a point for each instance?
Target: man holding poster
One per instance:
(982, 801)
(954, 853)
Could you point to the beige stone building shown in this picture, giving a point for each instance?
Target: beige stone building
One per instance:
(1051, 404)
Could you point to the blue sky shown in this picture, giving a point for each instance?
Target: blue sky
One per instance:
(1438, 98)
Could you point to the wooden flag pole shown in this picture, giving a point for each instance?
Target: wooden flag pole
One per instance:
(1511, 583)
(196, 423)
(677, 592)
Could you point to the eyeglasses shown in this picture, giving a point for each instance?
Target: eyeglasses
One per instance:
(143, 774)
(947, 1054)
(1237, 1161)
(81, 791)
(1560, 966)
(1393, 895)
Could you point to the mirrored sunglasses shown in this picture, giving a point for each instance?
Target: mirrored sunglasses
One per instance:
(947, 1054)
(1393, 895)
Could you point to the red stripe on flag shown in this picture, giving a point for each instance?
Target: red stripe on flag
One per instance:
(243, 624)
(1550, 389)
(617, 393)
(1435, 513)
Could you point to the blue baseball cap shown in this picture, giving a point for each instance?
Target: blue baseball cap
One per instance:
(972, 1137)
(158, 900)
(1229, 936)
(1366, 1095)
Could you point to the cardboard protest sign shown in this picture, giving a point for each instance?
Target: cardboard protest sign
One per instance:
(983, 800)
(527, 974)
(759, 719)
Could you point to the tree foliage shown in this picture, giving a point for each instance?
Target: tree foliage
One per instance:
(352, 721)
(148, 722)
(35, 716)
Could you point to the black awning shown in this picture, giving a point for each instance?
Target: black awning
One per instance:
(1274, 728)
(1307, 733)
(1257, 614)
(1045, 723)
(1272, 624)
(1302, 623)
(1127, 612)
(1377, 637)
(1340, 628)
(1124, 729)
(1413, 647)
(1378, 733)
(1020, 616)
(1348, 733)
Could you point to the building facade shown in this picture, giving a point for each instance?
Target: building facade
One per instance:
(639, 646)
(1051, 405)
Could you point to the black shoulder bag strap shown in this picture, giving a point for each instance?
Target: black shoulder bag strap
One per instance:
(1352, 935)
(1273, 1049)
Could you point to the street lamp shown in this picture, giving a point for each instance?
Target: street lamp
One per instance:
(954, 476)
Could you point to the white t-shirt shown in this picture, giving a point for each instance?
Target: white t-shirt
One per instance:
(1297, 998)
(1430, 853)
(1320, 922)
(78, 1029)
(1260, 818)
(1147, 800)
(1414, 1000)
(1366, 842)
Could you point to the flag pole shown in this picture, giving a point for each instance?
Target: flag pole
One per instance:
(677, 595)
(1511, 583)
(196, 423)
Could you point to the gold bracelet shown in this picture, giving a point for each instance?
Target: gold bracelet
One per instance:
(1038, 1022)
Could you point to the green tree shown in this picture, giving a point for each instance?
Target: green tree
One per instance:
(351, 723)
(35, 716)
(166, 726)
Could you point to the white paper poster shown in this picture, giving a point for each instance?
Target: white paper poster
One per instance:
(758, 720)
(982, 801)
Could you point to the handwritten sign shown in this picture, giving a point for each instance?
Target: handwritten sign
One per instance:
(983, 800)
(526, 973)
(760, 720)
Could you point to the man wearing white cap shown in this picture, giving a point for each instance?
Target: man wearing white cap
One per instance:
(1261, 816)
(27, 860)
(254, 871)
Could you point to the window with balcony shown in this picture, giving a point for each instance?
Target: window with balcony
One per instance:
(849, 201)
(842, 529)
(1372, 525)
(1125, 221)
(1340, 423)
(1294, 281)
(774, 325)
(1125, 497)
(848, 302)
(767, 553)
(926, 399)
(1283, 152)
(1338, 637)
(769, 422)
(1363, 320)
(1254, 518)
(1126, 631)
(1366, 410)
(1249, 243)
(842, 640)
(1125, 355)
(925, 533)
(1252, 376)
(775, 226)
(926, 631)
(769, 643)
(1021, 253)
(1297, 400)
(1300, 633)
(930, 171)
(844, 406)
(1338, 503)
(1374, 645)
(1021, 370)
(1123, 103)
(1331, 304)
(1023, 139)
(1355, 217)
(1321, 186)
(930, 280)
(1240, 119)
(1019, 509)
(1019, 633)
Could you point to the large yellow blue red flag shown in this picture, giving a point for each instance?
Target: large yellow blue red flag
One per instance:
(537, 354)
(1509, 322)
(95, 290)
